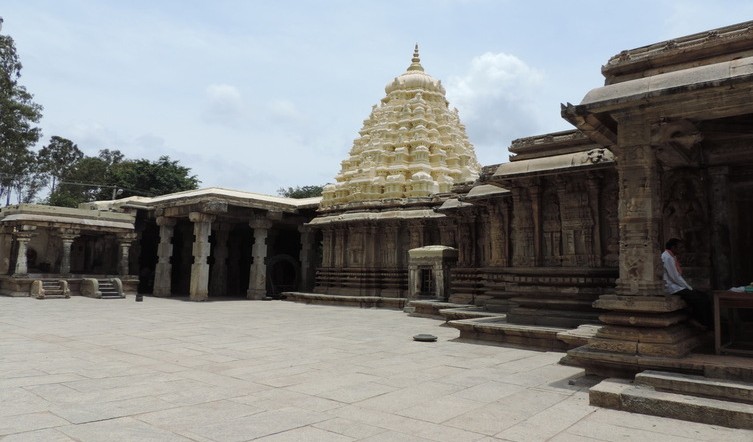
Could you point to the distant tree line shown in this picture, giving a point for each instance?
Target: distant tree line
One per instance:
(300, 191)
(72, 177)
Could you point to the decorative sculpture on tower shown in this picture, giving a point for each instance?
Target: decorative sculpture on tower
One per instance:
(411, 146)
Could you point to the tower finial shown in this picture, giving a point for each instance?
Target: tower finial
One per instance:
(415, 61)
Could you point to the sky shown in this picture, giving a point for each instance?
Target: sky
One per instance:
(257, 95)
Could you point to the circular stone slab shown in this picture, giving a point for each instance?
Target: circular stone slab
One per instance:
(425, 338)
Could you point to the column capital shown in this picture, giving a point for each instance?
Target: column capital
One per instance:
(260, 223)
(199, 217)
(128, 237)
(166, 221)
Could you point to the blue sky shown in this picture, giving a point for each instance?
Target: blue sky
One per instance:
(257, 95)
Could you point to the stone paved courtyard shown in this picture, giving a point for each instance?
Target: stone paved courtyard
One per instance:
(168, 370)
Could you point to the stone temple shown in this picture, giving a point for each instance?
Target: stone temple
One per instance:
(556, 249)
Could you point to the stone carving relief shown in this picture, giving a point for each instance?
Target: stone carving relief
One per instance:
(685, 215)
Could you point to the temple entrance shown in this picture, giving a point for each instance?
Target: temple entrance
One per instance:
(283, 274)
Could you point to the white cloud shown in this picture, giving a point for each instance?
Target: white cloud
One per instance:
(496, 101)
(284, 110)
(223, 104)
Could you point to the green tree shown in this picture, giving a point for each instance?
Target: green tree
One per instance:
(18, 113)
(300, 191)
(152, 178)
(57, 159)
(82, 183)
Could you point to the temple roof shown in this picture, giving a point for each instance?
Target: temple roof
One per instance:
(412, 145)
(235, 197)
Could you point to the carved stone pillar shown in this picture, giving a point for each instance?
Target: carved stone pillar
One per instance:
(124, 243)
(306, 256)
(257, 284)
(163, 270)
(202, 228)
(642, 320)
(721, 247)
(22, 235)
(218, 279)
(67, 237)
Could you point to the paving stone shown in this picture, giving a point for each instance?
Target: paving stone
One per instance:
(167, 370)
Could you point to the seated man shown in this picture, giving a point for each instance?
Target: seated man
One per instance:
(675, 284)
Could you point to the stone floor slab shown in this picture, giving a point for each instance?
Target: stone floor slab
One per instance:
(169, 370)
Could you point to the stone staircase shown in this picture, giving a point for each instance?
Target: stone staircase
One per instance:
(106, 288)
(50, 288)
(109, 289)
(679, 396)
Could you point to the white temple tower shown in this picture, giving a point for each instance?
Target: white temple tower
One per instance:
(411, 146)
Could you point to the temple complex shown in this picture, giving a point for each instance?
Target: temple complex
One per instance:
(557, 249)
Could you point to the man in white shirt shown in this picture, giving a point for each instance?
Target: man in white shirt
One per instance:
(675, 284)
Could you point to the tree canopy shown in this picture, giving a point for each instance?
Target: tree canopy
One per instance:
(300, 191)
(74, 177)
(110, 175)
(18, 133)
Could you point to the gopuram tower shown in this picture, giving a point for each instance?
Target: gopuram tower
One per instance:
(411, 153)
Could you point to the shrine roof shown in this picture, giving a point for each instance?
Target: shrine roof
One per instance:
(598, 157)
(374, 216)
(37, 214)
(237, 197)
(703, 48)
(695, 77)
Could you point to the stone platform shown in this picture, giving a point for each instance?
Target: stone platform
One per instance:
(237, 370)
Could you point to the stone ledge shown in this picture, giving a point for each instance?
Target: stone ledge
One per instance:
(497, 329)
(343, 300)
(455, 314)
(622, 395)
(431, 308)
(697, 386)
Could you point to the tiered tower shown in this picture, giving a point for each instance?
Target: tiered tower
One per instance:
(411, 146)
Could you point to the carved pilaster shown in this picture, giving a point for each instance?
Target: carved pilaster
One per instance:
(163, 270)
(523, 232)
(202, 228)
(593, 185)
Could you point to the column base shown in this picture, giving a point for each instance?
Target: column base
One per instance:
(640, 332)
(161, 293)
(256, 294)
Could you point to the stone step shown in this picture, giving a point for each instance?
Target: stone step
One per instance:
(702, 386)
(497, 329)
(454, 314)
(431, 308)
(551, 318)
(554, 303)
(108, 290)
(624, 395)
